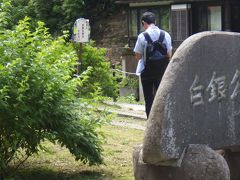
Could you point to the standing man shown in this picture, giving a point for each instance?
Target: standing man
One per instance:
(152, 74)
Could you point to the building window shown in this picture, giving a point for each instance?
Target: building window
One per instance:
(164, 20)
(214, 18)
(180, 21)
(135, 27)
(133, 31)
(206, 18)
(235, 14)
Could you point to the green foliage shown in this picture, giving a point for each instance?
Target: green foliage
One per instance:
(100, 10)
(51, 13)
(37, 95)
(127, 99)
(73, 9)
(90, 9)
(97, 78)
(58, 15)
(130, 81)
(12, 11)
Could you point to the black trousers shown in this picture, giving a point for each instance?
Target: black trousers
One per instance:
(150, 87)
(151, 78)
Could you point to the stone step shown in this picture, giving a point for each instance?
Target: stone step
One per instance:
(124, 113)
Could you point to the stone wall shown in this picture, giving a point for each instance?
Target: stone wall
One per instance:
(112, 34)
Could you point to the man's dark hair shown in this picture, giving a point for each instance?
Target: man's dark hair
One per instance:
(148, 17)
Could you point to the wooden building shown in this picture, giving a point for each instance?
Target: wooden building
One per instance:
(181, 18)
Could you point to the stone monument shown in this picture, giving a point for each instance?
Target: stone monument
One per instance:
(198, 102)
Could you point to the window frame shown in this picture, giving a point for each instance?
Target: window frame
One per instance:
(140, 10)
(205, 8)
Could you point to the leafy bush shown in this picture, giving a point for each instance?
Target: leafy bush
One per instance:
(130, 81)
(37, 96)
(13, 11)
(96, 70)
(127, 99)
(58, 15)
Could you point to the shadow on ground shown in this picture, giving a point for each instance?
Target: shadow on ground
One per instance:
(45, 174)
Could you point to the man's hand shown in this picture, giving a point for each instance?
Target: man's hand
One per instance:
(138, 56)
(169, 55)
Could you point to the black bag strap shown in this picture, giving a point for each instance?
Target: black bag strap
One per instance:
(149, 40)
(161, 36)
(147, 37)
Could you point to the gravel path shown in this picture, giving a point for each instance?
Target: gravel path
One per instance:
(136, 111)
(127, 125)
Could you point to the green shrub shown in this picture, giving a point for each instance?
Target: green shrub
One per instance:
(96, 70)
(37, 95)
(58, 15)
(130, 81)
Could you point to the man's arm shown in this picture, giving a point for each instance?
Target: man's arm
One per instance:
(139, 47)
(168, 41)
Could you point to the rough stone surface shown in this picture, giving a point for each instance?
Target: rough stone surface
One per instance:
(198, 101)
(199, 163)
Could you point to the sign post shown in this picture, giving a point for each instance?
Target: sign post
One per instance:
(81, 34)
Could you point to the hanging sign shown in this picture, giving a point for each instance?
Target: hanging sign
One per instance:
(81, 30)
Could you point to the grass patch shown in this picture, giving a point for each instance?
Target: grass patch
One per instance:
(57, 163)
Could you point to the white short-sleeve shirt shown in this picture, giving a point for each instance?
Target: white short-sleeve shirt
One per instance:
(154, 33)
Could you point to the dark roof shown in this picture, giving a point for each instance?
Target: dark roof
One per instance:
(135, 1)
(148, 1)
